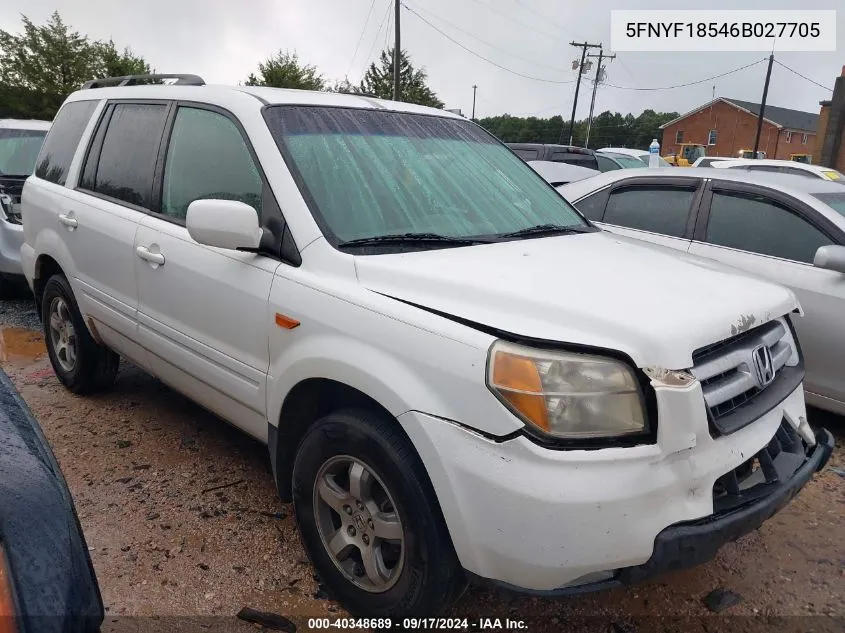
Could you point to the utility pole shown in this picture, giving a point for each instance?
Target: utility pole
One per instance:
(596, 81)
(763, 105)
(583, 46)
(474, 88)
(396, 53)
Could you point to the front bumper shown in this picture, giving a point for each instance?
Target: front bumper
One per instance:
(11, 239)
(544, 521)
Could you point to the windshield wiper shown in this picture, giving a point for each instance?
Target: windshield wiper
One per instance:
(547, 229)
(415, 238)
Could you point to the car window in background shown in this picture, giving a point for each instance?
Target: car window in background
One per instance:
(658, 209)
(835, 201)
(592, 207)
(526, 154)
(759, 225)
(575, 158)
(18, 150)
(60, 145)
(628, 162)
(799, 172)
(127, 159)
(606, 164)
(372, 172)
(207, 158)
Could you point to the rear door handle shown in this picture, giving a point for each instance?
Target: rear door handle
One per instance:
(68, 220)
(147, 255)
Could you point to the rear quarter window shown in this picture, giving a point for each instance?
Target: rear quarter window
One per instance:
(59, 147)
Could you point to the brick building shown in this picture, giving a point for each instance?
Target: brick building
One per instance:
(727, 126)
(831, 128)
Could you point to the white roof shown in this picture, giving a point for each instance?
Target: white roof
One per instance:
(24, 124)
(561, 172)
(623, 150)
(739, 162)
(259, 96)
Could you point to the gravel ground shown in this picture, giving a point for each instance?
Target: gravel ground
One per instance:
(183, 519)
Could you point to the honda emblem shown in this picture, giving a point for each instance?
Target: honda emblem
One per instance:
(764, 368)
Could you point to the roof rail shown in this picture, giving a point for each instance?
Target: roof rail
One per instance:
(129, 80)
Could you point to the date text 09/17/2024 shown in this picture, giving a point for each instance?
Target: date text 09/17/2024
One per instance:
(423, 624)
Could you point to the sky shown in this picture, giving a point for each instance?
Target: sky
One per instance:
(223, 41)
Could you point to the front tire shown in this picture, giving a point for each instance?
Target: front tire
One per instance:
(80, 363)
(369, 519)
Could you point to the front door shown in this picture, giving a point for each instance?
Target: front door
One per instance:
(203, 311)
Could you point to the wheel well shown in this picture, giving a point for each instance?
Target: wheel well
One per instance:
(45, 267)
(306, 403)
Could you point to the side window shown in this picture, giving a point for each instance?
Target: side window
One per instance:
(605, 164)
(60, 145)
(126, 163)
(592, 207)
(207, 158)
(655, 209)
(526, 154)
(753, 223)
(679, 136)
(572, 158)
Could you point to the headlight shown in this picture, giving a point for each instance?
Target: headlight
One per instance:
(567, 395)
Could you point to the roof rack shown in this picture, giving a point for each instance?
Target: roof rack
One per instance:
(129, 80)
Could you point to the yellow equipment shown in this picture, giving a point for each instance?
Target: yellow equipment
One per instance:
(687, 154)
(749, 153)
(801, 158)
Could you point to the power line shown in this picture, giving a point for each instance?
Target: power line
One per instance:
(361, 39)
(457, 28)
(628, 70)
(691, 83)
(509, 18)
(480, 56)
(378, 31)
(802, 76)
(540, 15)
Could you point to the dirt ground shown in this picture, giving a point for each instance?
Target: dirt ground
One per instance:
(182, 519)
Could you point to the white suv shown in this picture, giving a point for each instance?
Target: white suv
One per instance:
(456, 374)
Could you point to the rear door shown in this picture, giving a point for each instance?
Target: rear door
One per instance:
(776, 237)
(657, 210)
(99, 222)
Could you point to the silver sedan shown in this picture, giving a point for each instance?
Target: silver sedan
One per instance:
(789, 229)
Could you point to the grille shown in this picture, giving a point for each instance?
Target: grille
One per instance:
(772, 465)
(727, 372)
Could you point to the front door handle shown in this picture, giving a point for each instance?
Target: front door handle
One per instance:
(68, 220)
(147, 255)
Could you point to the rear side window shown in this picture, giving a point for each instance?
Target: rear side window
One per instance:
(606, 164)
(207, 159)
(60, 145)
(127, 158)
(753, 223)
(656, 209)
(571, 158)
(527, 154)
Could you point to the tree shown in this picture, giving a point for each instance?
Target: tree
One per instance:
(42, 64)
(378, 81)
(284, 70)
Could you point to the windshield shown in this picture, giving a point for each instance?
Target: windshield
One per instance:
(369, 173)
(18, 151)
(835, 201)
(628, 162)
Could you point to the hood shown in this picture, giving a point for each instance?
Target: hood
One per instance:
(655, 304)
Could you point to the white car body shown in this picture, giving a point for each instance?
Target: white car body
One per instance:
(557, 174)
(820, 291)
(781, 166)
(413, 331)
(707, 161)
(11, 230)
(642, 154)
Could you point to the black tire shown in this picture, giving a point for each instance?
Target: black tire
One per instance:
(95, 367)
(430, 577)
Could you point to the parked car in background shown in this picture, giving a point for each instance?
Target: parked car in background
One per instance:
(570, 155)
(560, 173)
(783, 167)
(786, 228)
(447, 362)
(47, 582)
(801, 158)
(20, 141)
(642, 154)
(707, 161)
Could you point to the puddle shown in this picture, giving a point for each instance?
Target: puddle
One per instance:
(20, 344)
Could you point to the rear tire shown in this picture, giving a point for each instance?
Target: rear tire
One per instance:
(80, 363)
(369, 519)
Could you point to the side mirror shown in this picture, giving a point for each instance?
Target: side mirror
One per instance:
(224, 223)
(830, 258)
